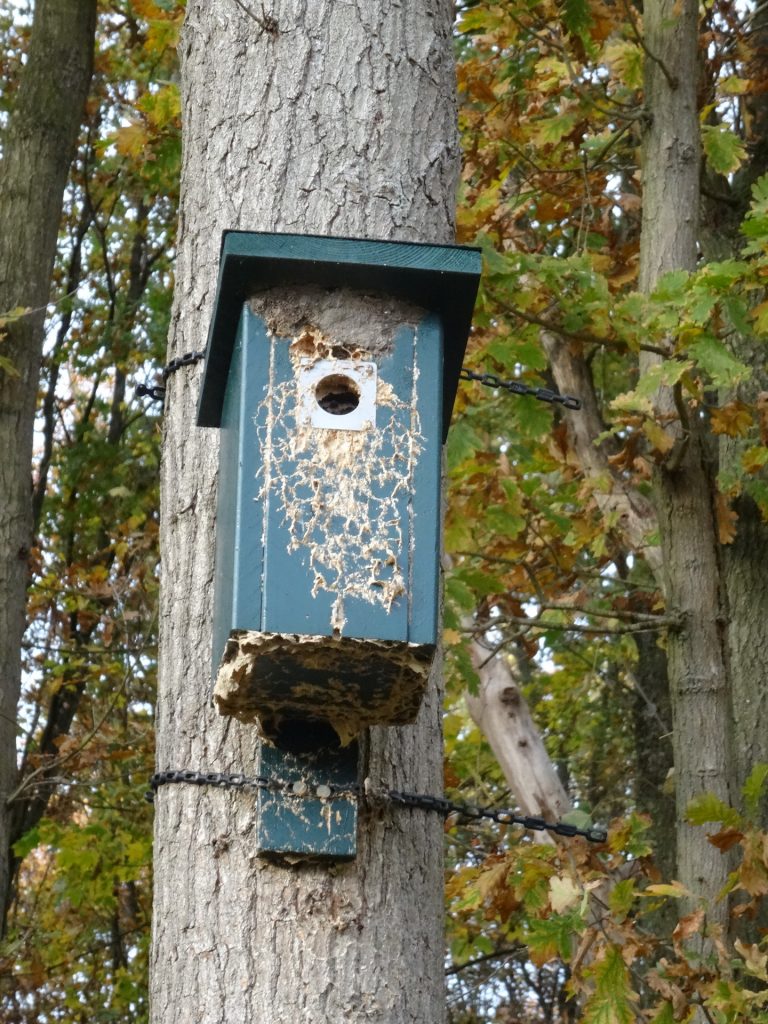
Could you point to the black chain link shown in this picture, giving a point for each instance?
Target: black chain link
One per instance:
(419, 801)
(490, 380)
(157, 391)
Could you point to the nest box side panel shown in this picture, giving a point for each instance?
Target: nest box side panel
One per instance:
(239, 555)
(426, 495)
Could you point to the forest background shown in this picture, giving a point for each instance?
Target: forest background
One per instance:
(606, 565)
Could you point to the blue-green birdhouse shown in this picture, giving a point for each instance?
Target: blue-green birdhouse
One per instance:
(331, 369)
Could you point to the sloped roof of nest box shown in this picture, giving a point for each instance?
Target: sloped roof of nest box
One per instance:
(442, 279)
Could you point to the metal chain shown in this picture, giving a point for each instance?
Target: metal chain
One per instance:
(420, 801)
(490, 380)
(157, 391)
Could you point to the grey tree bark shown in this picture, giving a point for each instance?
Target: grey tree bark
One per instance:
(697, 650)
(338, 119)
(37, 150)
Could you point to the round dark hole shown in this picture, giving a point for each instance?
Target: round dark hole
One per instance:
(337, 394)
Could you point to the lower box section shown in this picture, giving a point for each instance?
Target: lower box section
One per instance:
(307, 818)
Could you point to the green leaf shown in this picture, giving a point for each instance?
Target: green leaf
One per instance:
(459, 593)
(473, 21)
(665, 1015)
(463, 442)
(723, 149)
(552, 936)
(708, 809)
(626, 60)
(7, 367)
(671, 286)
(27, 843)
(715, 359)
(754, 788)
(622, 897)
(577, 17)
(550, 130)
(612, 1001)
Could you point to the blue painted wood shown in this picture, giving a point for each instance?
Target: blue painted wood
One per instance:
(306, 824)
(440, 278)
(426, 513)
(239, 513)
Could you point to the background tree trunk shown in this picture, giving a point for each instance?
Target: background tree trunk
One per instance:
(38, 147)
(502, 714)
(326, 118)
(684, 484)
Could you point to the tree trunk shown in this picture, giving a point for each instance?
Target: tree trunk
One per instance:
(38, 147)
(334, 119)
(501, 712)
(683, 486)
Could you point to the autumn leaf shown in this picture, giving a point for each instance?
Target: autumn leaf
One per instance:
(674, 889)
(754, 458)
(726, 839)
(612, 1001)
(689, 925)
(727, 518)
(563, 893)
(661, 441)
(626, 59)
(755, 959)
(724, 150)
(733, 419)
(131, 139)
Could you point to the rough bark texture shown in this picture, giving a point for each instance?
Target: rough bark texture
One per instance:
(37, 150)
(697, 650)
(327, 118)
(725, 203)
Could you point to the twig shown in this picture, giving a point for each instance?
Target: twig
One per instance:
(587, 339)
(510, 951)
(571, 627)
(266, 22)
(45, 769)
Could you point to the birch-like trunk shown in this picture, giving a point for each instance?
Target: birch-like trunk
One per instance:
(38, 147)
(328, 118)
(502, 714)
(683, 486)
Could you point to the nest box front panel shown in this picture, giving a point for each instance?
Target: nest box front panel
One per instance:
(329, 519)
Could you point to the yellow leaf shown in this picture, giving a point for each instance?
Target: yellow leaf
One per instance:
(451, 637)
(676, 889)
(626, 61)
(660, 440)
(754, 458)
(563, 893)
(492, 878)
(130, 140)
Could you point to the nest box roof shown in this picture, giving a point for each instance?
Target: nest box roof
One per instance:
(442, 279)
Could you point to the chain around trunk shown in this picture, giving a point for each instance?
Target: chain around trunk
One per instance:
(419, 801)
